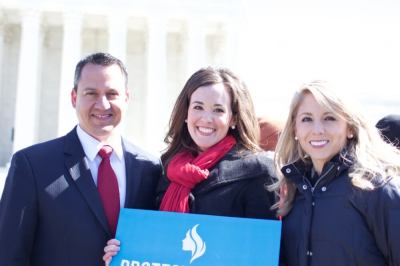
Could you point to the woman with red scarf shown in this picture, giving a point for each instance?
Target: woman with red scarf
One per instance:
(213, 163)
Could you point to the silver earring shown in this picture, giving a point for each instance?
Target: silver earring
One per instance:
(350, 136)
(233, 127)
(185, 120)
(296, 138)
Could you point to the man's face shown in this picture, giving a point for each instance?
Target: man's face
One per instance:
(100, 100)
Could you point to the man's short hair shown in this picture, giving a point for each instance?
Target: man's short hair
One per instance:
(103, 59)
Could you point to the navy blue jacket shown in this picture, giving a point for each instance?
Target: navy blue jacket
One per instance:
(334, 223)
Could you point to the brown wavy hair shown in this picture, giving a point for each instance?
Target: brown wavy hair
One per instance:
(246, 131)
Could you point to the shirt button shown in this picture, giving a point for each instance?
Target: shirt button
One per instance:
(288, 171)
(304, 187)
(323, 189)
(313, 203)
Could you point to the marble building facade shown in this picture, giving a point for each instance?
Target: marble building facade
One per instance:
(161, 42)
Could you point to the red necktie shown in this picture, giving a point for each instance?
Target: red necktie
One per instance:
(107, 185)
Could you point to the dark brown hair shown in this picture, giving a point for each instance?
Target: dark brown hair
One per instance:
(102, 59)
(246, 131)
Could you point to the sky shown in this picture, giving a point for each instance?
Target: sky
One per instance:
(353, 44)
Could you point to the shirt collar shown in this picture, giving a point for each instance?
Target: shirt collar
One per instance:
(91, 146)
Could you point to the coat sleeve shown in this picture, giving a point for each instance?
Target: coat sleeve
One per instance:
(382, 213)
(18, 213)
(161, 189)
(257, 199)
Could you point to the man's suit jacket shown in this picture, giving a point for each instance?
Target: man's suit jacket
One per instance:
(50, 211)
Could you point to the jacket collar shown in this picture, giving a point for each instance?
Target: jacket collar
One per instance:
(297, 171)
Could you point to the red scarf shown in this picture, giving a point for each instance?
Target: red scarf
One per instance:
(185, 171)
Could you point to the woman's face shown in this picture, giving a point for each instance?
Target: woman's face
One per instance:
(209, 115)
(321, 133)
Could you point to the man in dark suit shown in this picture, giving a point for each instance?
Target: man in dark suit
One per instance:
(51, 211)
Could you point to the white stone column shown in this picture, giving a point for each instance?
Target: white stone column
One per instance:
(155, 113)
(117, 36)
(4, 129)
(25, 130)
(1, 52)
(232, 31)
(71, 54)
(196, 50)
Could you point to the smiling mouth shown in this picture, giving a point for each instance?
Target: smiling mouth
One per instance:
(105, 116)
(205, 130)
(318, 143)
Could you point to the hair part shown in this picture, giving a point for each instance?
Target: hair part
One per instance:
(246, 130)
(102, 59)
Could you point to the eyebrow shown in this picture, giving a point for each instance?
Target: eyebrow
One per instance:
(325, 113)
(215, 105)
(95, 89)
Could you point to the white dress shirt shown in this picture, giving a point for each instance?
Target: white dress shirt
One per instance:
(91, 147)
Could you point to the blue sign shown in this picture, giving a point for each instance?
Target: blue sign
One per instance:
(156, 238)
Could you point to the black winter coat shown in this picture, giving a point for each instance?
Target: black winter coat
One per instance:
(235, 187)
(334, 223)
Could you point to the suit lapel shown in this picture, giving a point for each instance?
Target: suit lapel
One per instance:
(78, 167)
(132, 178)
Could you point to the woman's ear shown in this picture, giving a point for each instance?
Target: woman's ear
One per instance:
(350, 133)
(232, 124)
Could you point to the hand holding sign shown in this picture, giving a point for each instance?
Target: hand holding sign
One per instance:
(111, 250)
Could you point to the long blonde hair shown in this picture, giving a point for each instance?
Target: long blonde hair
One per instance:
(375, 161)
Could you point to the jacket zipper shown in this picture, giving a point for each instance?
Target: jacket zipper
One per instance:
(312, 188)
(319, 179)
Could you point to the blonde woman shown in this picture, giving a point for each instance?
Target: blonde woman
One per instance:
(338, 185)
